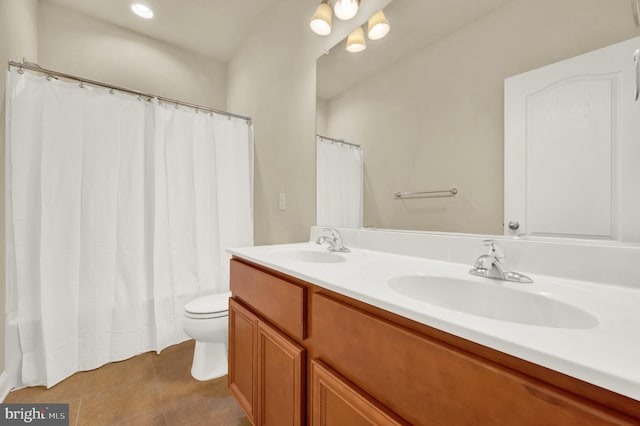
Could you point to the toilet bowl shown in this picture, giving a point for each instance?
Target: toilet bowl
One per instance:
(206, 321)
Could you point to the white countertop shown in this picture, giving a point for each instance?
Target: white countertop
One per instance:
(607, 355)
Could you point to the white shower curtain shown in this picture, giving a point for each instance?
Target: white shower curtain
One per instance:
(339, 177)
(119, 210)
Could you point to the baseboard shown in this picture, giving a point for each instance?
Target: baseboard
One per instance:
(4, 386)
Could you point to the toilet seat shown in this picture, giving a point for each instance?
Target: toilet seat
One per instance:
(207, 316)
(207, 307)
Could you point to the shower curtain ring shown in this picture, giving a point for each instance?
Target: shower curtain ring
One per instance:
(20, 70)
(49, 77)
(111, 91)
(81, 85)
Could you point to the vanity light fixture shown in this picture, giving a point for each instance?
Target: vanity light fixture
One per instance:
(346, 9)
(343, 9)
(355, 41)
(378, 26)
(321, 21)
(142, 10)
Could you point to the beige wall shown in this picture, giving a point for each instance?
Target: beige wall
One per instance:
(18, 39)
(322, 109)
(272, 79)
(78, 44)
(435, 119)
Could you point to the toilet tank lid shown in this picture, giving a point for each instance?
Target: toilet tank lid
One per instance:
(218, 302)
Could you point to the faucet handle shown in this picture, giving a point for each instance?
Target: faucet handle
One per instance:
(335, 235)
(495, 250)
(335, 240)
(333, 231)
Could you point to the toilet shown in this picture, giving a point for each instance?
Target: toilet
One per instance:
(206, 321)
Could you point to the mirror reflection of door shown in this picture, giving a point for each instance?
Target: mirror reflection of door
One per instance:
(572, 145)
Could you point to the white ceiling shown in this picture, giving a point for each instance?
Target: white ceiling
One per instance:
(214, 28)
(414, 25)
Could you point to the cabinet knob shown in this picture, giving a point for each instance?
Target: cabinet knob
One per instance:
(514, 225)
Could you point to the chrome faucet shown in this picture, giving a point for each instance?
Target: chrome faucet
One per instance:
(334, 239)
(490, 266)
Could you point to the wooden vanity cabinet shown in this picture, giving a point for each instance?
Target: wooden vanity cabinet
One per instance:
(266, 364)
(300, 354)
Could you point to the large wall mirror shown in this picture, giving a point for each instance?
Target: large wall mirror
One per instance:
(426, 103)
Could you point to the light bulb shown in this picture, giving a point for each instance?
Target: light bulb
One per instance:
(321, 21)
(378, 26)
(346, 9)
(355, 41)
(142, 10)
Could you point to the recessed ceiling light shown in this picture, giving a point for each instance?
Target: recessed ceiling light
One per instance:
(142, 11)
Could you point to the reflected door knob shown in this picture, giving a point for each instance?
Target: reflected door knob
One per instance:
(513, 225)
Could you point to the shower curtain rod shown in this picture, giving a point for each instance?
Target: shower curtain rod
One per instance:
(338, 141)
(38, 68)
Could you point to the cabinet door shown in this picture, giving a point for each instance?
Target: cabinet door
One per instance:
(243, 334)
(335, 402)
(280, 383)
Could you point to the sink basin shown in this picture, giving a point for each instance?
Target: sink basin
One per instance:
(492, 300)
(309, 256)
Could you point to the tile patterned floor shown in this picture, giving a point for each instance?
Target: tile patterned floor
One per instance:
(149, 389)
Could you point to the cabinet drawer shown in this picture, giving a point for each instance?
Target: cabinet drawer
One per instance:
(279, 301)
(428, 382)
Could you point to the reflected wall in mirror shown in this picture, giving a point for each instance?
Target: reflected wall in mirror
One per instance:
(426, 102)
